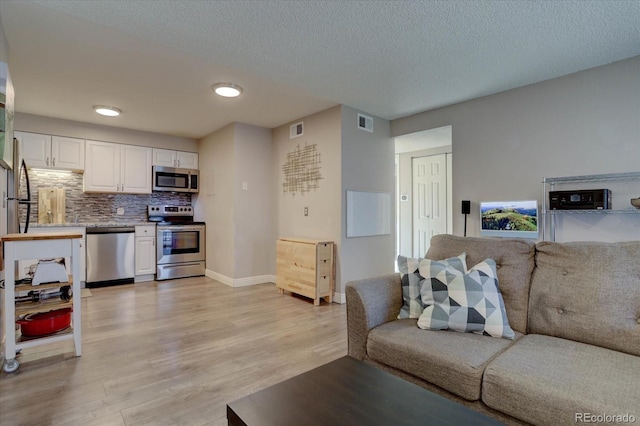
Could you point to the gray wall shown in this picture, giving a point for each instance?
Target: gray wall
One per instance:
(214, 204)
(367, 165)
(240, 239)
(254, 236)
(323, 222)
(4, 47)
(504, 144)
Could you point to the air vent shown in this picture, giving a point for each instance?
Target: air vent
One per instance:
(365, 123)
(296, 130)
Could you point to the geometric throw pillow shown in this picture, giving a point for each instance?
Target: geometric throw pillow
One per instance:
(411, 280)
(465, 302)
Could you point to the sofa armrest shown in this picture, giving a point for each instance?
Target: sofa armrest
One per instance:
(370, 303)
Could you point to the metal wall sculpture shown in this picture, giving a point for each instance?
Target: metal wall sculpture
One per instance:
(301, 170)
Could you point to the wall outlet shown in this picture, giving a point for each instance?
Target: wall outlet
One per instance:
(245, 186)
(120, 211)
(306, 211)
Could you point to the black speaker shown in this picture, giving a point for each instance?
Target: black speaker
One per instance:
(466, 206)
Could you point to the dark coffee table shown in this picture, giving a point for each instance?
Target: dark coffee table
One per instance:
(349, 392)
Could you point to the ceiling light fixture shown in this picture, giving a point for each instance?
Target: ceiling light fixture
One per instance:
(107, 110)
(227, 90)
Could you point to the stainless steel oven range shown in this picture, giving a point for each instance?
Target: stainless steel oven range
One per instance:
(180, 242)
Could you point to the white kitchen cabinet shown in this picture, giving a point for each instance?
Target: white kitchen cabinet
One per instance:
(145, 262)
(170, 158)
(51, 152)
(112, 167)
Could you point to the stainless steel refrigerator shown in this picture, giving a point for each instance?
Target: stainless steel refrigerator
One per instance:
(18, 179)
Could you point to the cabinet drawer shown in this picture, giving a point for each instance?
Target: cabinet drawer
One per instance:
(145, 231)
(324, 267)
(325, 251)
(324, 285)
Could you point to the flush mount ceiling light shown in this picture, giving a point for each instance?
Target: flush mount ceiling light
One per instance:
(107, 110)
(227, 90)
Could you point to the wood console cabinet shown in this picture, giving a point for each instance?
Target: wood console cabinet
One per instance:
(305, 267)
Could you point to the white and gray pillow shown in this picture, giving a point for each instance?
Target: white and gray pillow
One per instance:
(464, 301)
(412, 279)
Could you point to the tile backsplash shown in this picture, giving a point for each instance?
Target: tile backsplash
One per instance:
(90, 207)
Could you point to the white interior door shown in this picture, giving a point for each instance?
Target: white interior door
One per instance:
(429, 200)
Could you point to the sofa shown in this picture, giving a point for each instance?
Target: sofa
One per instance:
(574, 309)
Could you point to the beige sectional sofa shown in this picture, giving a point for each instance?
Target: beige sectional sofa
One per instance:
(575, 310)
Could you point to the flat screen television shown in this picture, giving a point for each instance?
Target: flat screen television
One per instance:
(509, 219)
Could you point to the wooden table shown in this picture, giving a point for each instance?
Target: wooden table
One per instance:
(349, 392)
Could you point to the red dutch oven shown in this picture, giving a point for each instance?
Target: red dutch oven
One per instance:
(43, 323)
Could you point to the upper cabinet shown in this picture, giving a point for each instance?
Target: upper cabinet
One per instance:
(51, 152)
(112, 167)
(170, 158)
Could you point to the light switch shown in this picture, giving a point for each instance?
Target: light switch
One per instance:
(245, 186)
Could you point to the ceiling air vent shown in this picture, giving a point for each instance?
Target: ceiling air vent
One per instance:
(365, 122)
(296, 130)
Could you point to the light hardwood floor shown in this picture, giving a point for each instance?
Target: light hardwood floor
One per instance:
(171, 353)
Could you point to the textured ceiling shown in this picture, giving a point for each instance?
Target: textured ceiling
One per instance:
(157, 59)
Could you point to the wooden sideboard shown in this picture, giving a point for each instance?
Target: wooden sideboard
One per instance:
(306, 267)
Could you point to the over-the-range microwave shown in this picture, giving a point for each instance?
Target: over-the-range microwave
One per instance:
(174, 179)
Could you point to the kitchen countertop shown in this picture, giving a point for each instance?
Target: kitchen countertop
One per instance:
(88, 224)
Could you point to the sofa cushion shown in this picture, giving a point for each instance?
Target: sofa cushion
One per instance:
(588, 292)
(412, 280)
(514, 262)
(450, 360)
(466, 302)
(547, 380)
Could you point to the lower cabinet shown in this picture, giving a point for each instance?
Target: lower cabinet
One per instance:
(145, 262)
(305, 267)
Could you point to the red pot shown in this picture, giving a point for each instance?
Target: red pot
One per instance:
(43, 323)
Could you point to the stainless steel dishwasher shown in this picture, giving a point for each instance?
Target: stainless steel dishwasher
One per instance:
(110, 255)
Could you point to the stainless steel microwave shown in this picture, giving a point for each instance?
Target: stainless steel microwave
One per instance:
(175, 180)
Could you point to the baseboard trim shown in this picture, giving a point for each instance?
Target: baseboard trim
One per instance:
(340, 298)
(239, 282)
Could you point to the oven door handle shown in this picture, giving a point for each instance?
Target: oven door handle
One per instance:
(180, 228)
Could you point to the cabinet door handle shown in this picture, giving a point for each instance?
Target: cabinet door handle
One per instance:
(47, 161)
(54, 162)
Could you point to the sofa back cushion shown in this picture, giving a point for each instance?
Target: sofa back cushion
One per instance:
(514, 262)
(588, 292)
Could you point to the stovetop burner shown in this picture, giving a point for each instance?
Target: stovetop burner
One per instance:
(171, 215)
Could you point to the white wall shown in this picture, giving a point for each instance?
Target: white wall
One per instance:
(504, 144)
(75, 129)
(367, 165)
